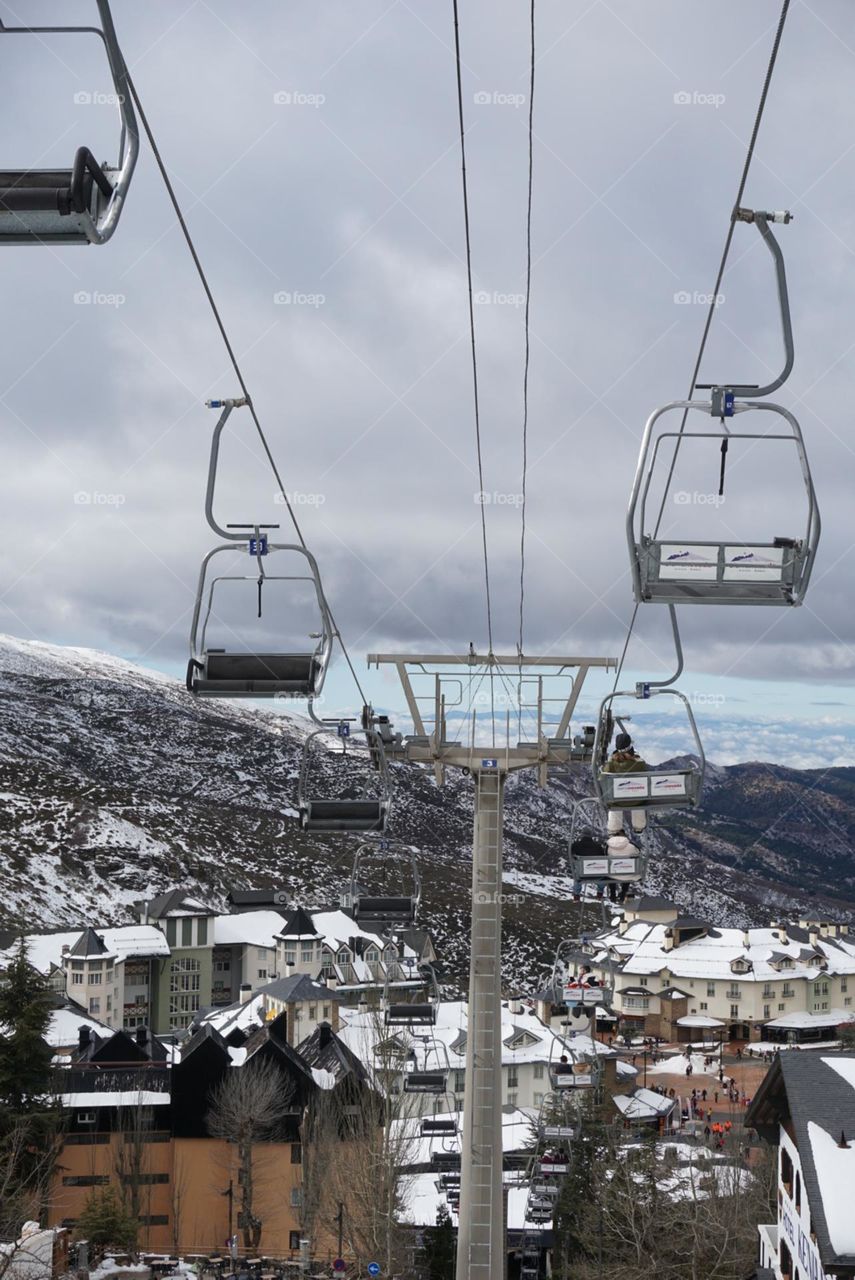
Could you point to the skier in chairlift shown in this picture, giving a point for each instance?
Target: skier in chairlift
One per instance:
(625, 759)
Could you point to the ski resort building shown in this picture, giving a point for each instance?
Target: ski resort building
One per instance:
(684, 979)
(183, 958)
(806, 1107)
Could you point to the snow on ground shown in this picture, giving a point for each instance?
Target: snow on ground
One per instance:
(677, 1063)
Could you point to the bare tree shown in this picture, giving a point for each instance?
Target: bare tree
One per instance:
(250, 1106)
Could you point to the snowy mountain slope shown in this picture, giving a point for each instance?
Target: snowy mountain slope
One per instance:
(115, 784)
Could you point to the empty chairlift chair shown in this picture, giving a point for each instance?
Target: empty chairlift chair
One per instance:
(80, 205)
(367, 806)
(432, 1075)
(375, 905)
(676, 568)
(418, 1013)
(253, 668)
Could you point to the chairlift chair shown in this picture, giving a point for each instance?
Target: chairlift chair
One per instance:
(425, 1082)
(366, 812)
(80, 205)
(678, 569)
(383, 910)
(591, 859)
(413, 1014)
(242, 672)
(437, 1127)
(676, 788)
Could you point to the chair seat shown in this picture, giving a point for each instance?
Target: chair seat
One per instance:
(402, 1015)
(344, 815)
(37, 204)
(255, 674)
(394, 909)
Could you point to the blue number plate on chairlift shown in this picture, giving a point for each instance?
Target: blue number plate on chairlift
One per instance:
(258, 546)
(344, 730)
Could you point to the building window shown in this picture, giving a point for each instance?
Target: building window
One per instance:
(296, 1153)
(538, 1099)
(844, 984)
(538, 1071)
(94, 979)
(87, 1180)
(77, 979)
(145, 1179)
(459, 1081)
(768, 991)
(513, 1078)
(186, 933)
(787, 991)
(293, 1241)
(222, 966)
(781, 1008)
(109, 1004)
(291, 957)
(710, 988)
(108, 976)
(94, 1004)
(326, 1013)
(202, 932)
(343, 956)
(847, 1002)
(703, 1005)
(170, 932)
(642, 982)
(767, 1010)
(734, 1011)
(296, 1197)
(307, 952)
(262, 973)
(734, 994)
(154, 1220)
(372, 956)
(85, 1117)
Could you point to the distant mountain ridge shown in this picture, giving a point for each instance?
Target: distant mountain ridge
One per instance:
(115, 785)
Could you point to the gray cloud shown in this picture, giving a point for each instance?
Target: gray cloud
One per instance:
(366, 394)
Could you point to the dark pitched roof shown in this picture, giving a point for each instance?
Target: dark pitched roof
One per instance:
(653, 904)
(672, 993)
(206, 1034)
(89, 944)
(299, 924)
(299, 987)
(323, 1050)
(179, 902)
(799, 1088)
(247, 899)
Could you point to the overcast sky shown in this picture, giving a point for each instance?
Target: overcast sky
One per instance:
(314, 147)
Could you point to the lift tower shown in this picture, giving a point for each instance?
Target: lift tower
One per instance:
(438, 687)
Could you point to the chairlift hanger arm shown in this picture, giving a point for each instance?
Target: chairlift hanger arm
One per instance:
(99, 230)
(226, 407)
(761, 220)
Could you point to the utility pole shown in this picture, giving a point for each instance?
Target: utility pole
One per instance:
(481, 1251)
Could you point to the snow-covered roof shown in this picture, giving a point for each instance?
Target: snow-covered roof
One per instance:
(255, 928)
(235, 1017)
(363, 1031)
(802, 1021)
(835, 1172)
(643, 1104)
(124, 942)
(120, 1098)
(65, 1024)
(642, 950)
(699, 1020)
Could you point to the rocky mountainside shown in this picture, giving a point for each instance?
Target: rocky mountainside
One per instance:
(114, 784)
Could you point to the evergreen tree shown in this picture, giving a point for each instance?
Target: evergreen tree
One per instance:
(105, 1224)
(29, 1116)
(439, 1247)
(25, 1056)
